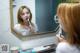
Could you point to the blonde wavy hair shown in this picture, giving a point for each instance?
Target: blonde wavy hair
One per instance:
(69, 14)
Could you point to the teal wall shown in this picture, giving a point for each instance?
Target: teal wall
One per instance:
(45, 11)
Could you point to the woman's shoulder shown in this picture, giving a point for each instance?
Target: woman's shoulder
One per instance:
(65, 47)
(62, 47)
(17, 27)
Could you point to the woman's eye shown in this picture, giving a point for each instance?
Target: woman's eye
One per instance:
(27, 12)
(22, 13)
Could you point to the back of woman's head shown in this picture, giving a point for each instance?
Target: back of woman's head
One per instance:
(69, 14)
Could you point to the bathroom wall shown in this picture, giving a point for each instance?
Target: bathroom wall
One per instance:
(45, 12)
(7, 37)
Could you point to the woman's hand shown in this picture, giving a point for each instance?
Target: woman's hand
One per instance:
(60, 38)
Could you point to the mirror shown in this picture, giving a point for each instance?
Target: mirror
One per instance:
(33, 17)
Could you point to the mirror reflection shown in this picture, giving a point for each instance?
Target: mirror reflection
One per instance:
(29, 17)
(25, 26)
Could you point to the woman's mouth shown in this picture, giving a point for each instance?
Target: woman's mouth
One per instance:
(27, 18)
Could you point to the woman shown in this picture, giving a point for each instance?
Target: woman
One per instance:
(25, 26)
(69, 17)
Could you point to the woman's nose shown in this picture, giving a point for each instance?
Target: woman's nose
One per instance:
(26, 15)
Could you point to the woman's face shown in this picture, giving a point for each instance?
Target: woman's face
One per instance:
(25, 14)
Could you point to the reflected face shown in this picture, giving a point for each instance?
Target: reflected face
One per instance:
(25, 14)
